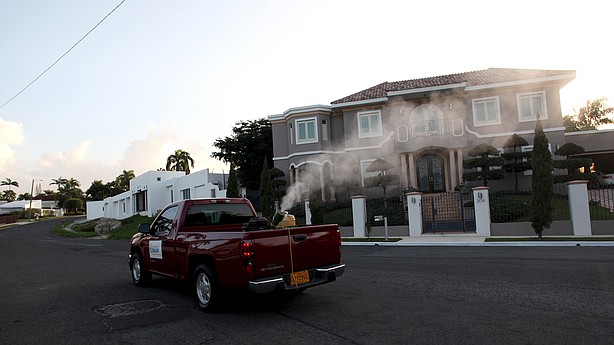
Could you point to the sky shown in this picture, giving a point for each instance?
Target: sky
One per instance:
(156, 76)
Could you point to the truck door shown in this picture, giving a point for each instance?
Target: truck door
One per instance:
(161, 248)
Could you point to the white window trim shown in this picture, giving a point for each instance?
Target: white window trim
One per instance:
(296, 130)
(370, 134)
(543, 116)
(486, 123)
(363, 172)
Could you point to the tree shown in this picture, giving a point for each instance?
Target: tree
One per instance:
(572, 164)
(9, 195)
(267, 196)
(232, 191)
(73, 205)
(486, 164)
(278, 184)
(517, 160)
(316, 206)
(123, 180)
(59, 183)
(542, 182)
(8, 182)
(98, 191)
(594, 114)
(179, 161)
(381, 180)
(24, 196)
(250, 142)
(67, 189)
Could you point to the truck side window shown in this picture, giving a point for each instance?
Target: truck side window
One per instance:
(162, 225)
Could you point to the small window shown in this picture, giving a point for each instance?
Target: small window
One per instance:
(530, 105)
(369, 124)
(324, 130)
(306, 131)
(486, 111)
(185, 194)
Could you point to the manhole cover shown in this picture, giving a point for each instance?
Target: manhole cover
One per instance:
(129, 308)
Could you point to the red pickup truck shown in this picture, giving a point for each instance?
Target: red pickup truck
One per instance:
(221, 243)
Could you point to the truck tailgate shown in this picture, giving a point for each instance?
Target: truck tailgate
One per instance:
(282, 251)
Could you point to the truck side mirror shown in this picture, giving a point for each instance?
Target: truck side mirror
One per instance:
(144, 228)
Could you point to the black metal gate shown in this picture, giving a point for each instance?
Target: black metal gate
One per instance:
(448, 212)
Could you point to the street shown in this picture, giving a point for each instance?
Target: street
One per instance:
(75, 291)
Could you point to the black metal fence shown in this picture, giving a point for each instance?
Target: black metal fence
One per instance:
(505, 207)
(516, 206)
(601, 203)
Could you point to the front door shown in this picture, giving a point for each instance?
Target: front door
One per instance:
(430, 174)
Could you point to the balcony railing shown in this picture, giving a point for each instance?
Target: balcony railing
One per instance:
(427, 128)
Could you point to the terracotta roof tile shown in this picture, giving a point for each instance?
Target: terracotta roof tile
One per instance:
(474, 78)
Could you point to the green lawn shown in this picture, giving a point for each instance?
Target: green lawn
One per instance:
(128, 228)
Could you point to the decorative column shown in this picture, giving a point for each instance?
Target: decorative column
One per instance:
(414, 213)
(307, 213)
(322, 190)
(453, 176)
(404, 173)
(413, 180)
(578, 206)
(481, 203)
(359, 215)
(459, 161)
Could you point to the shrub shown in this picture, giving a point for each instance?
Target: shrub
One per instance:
(505, 209)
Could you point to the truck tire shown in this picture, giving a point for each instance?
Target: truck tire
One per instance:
(140, 277)
(206, 288)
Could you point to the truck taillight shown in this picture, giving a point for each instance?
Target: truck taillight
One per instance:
(247, 253)
(247, 250)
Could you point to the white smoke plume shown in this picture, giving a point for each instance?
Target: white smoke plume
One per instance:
(292, 197)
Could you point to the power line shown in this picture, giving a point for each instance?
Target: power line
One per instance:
(60, 58)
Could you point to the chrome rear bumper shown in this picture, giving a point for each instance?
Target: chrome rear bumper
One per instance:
(317, 276)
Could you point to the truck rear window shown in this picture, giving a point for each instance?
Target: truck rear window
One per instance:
(218, 214)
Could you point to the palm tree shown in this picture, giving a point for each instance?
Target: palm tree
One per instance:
(8, 182)
(9, 195)
(123, 180)
(24, 196)
(60, 183)
(179, 161)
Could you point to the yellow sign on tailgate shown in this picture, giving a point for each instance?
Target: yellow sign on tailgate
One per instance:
(299, 277)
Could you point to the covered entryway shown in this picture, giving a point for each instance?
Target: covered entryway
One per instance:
(430, 172)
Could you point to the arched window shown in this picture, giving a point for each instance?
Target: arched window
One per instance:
(426, 120)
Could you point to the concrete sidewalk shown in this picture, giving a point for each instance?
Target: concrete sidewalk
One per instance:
(471, 240)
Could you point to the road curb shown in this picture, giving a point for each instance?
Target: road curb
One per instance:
(486, 244)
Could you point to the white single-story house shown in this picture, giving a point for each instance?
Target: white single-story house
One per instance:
(153, 190)
(20, 205)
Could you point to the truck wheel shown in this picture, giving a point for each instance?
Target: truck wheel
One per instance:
(206, 288)
(140, 277)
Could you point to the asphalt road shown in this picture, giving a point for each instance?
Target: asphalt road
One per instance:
(56, 290)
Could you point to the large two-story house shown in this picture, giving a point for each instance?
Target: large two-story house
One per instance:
(423, 127)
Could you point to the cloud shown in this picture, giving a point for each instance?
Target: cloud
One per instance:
(11, 134)
(149, 153)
